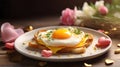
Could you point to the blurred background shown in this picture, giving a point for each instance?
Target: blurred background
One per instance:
(24, 9)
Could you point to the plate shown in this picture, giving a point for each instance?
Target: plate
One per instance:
(21, 45)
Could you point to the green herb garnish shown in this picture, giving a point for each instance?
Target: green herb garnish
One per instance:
(86, 35)
(77, 31)
(48, 35)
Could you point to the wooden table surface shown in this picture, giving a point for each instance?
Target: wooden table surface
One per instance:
(9, 59)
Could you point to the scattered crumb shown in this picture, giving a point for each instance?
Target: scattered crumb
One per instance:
(70, 55)
(106, 32)
(82, 55)
(28, 28)
(24, 43)
(35, 52)
(95, 48)
(109, 61)
(91, 53)
(117, 51)
(59, 56)
(118, 45)
(29, 52)
(87, 65)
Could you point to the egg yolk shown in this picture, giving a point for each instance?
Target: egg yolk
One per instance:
(61, 34)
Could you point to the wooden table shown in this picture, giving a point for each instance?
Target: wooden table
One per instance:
(5, 59)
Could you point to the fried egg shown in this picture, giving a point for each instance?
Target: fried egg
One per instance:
(61, 37)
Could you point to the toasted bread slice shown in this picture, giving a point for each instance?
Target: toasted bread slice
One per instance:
(33, 44)
(79, 49)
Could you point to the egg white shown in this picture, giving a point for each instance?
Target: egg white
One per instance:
(69, 42)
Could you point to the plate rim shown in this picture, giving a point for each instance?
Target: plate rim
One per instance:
(64, 59)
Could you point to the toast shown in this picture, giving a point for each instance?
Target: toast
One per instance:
(36, 43)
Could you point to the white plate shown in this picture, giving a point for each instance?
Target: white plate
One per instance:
(21, 45)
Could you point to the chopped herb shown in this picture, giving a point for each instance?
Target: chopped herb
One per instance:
(69, 29)
(77, 31)
(48, 35)
(56, 28)
(86, 35)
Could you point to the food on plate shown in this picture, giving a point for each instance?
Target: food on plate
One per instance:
(62, 40)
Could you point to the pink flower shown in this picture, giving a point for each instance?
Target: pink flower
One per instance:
(103, 10)
(67, 17)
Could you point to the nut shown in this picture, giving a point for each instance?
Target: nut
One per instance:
(28, 28)
(118, 45)
(87, 65)
(117, 51)
(109, 61)
(106, 32)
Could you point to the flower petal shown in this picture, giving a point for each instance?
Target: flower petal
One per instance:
(99, 4)
(67, 17)
(88, 10)
(8, 35)
(19, 31)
